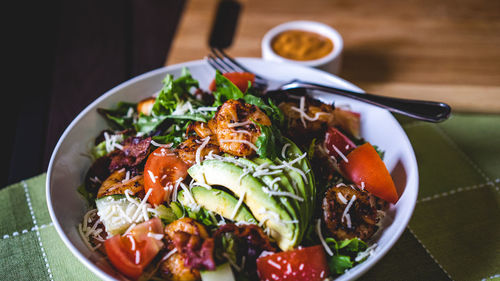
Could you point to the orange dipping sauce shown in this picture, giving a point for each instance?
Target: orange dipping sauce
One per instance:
(301, 45)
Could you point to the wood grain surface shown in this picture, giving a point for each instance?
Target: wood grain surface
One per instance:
(447, 50)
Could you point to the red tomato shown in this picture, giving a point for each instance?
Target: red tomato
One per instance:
(162, 168)
(131, 253)
(240, 79)
(306, 264)
(365, 166)
(335, 140)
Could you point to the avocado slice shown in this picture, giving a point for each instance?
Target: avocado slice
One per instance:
(307, 188)
(266, 209)
(291, 204)
(220, 202)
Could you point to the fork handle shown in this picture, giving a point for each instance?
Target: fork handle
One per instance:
(419, 109)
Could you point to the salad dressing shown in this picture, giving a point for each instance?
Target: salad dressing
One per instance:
(301, 45)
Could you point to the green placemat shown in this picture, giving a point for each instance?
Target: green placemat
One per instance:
(454, 232)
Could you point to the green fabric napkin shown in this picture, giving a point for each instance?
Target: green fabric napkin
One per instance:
(454, 232)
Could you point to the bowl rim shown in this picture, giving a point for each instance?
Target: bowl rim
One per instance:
(305, 25)
(349, 275)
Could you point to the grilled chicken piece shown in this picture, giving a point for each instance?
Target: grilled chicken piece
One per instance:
(187, 225)
(146, 106)
(174, 267)
(116, 184)
(359, 221)
(311, 124)
(201, 129)
(235, 128)
(187, 149)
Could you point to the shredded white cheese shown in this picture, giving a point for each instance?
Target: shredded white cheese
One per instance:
(241, 132)
(155, 235)
(366, 253)
(192, 203)
(283, 150)
(168, 145)
(238, 205)
(274, 264)
(176, 187)
(342, 198)
(282, 193)
(340, 153)
(169, 254)
(239, 124)
(303, 114)
(206, 108)
(112, 141)
(346, 211)
(250, 144)
(152, 176)
(320, 235)
(200, 149)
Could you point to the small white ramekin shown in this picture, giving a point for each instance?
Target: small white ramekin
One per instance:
(330, 63)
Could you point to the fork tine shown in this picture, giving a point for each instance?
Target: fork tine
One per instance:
(236, 66)
(215, 63)
(231, 63)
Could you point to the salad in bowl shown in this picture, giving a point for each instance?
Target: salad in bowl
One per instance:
(256, 187)
(211, 183)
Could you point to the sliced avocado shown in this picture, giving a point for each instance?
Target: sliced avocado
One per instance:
(262, 206)
(166, 214)
(220, 202)
(177, 209)
(299, 209)
(283, 185)
(308, 188)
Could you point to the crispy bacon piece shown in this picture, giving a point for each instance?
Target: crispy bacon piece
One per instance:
(194, 247)
(135, 150)
(251, 241)
(199, 253)
(97, 173)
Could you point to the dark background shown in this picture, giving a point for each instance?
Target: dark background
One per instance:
(60, 56)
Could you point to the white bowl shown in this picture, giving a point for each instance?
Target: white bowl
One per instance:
(69, 164)
(331, 62)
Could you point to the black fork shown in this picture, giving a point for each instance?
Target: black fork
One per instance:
(419, 109)
(222, 62)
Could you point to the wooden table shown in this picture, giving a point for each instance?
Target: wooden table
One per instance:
(438, 50)
(64, 54)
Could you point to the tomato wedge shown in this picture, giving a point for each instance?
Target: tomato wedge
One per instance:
(364, 167)
(131, 253)
(305, 264)
(162, 168)
(240, 79)
(337, 144)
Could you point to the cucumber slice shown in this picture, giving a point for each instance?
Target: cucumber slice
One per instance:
(116, 212)
(222, 272)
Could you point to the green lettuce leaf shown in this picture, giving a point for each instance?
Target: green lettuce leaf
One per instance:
(269, 143)
(119, 118)
(345, 253)
(339, 264)
(225, 90)
(172, 92)
(146, 124)
(99, 150)
(174, 135)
